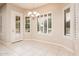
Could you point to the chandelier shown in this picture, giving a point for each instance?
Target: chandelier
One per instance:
(33, 14)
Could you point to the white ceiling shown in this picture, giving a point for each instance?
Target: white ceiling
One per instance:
(29, 5)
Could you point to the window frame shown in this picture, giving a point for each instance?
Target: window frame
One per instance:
(67, 7)
(47, 23)
(28, 23)
(19, 24)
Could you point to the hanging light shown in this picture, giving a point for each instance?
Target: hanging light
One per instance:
(33, 14)
(29, 13)
(37, 14)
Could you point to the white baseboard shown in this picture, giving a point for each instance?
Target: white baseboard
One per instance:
(43, 41)
(56, 44)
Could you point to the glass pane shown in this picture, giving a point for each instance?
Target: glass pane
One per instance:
(18, 24)
(27, 18)
(41, 15)
(27, 21)
(49, 23)
(68, 27)
(27, 26)
(45, 26)
(17, 18)
(41, 28)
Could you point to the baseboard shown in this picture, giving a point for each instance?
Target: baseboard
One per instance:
(43, 41)
(56, 44)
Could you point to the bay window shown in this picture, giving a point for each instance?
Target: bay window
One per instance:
(44, 23)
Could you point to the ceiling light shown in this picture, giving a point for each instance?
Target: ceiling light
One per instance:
(29, 13)
(33, 14)
(37, 14)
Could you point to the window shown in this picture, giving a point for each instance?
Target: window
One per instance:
(49, 22)
(44, 23)
(67, 21)
(27, 24)
(17, 24)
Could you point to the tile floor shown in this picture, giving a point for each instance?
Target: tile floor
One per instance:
(32, 48)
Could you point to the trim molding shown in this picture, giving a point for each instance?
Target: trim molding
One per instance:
(57, 44)
(43, 41)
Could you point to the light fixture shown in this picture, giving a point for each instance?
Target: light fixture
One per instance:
(37, 14)
(29, 13)
(33, 14)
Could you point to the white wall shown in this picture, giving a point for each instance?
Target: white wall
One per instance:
(5, 24)
(76, 42)
(57, 35)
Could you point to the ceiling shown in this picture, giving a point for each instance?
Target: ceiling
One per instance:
(29, 5)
